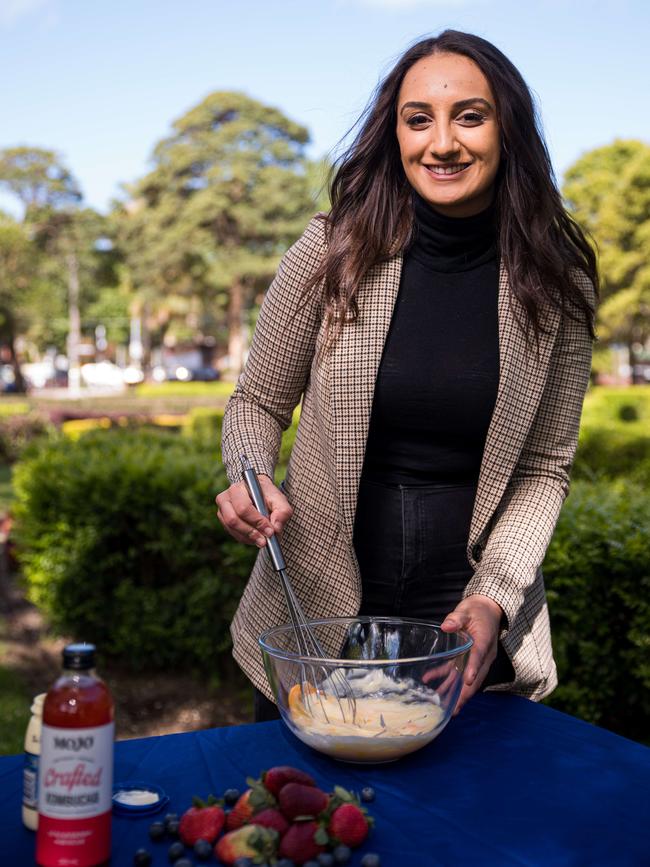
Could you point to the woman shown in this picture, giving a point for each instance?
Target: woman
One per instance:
(438, 326)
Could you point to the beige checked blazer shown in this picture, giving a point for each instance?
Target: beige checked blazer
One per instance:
(523, 480)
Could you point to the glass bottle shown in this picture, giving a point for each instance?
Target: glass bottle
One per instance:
(30, 768)
(76, 766)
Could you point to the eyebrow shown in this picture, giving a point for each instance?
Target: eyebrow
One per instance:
(457, 106)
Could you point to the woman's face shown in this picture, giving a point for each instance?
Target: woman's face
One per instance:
(448, 134)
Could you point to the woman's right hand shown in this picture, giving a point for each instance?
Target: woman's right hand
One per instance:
(241, 519)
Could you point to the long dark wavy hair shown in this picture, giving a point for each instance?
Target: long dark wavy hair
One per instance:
(371, 218)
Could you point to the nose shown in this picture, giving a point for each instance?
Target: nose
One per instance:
(443, 144)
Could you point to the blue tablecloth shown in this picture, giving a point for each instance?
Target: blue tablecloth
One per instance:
(508, 782)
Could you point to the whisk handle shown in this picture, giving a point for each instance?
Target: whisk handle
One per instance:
(255, 492)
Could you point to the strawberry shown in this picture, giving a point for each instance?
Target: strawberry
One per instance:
(303, 842)
(271, 818)
(348, 824)
(252, 841)
(299, 800)
(252, 801)
(203, 821)
(275, 778)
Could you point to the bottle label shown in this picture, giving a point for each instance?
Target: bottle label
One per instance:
(30, 781)
(76, 771)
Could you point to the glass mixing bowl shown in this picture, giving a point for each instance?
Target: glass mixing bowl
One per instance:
(385, 687)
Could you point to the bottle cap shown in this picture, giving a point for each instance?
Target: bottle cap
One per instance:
(37, 704)
(79, 657)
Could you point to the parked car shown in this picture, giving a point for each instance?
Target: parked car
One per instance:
(182, 373)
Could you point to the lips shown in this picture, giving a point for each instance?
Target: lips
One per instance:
(447, 171)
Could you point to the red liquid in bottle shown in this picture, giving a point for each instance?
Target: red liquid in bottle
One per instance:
(76, 766)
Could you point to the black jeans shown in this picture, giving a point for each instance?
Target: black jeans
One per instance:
(411, 544)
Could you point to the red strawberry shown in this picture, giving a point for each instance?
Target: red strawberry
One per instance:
(301, 842)
(298, 800)
(271, 818)
(252, 801)
(252, 841)
(349, 825)
(275, 778)
(201, 822)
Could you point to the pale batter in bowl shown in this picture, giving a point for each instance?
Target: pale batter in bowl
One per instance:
(392, 718)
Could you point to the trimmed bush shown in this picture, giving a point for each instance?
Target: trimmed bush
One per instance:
(204, 424)
(19, 431)
(615, 435)
(119, 543)
(597, 572)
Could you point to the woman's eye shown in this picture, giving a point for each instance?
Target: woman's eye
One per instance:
(472, 117)
(417, 119)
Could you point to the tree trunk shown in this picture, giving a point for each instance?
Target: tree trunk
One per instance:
(18, 376)
(74, 319)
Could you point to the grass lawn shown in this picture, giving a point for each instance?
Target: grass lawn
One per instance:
(6, 490)
(15, 703)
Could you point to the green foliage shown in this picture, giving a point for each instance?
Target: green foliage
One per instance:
(13, 407)
(597, 573)
(220, 391)
(615, 435)
(608, 192)
(119, 543)
(205, 230)
(14, 712)
(19, 431)
(204, 426)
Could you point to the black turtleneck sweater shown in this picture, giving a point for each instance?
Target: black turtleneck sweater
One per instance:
(438, 378)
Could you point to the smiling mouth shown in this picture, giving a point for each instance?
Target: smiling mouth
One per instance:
(448, 170)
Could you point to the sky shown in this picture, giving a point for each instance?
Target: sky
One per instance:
(101, 83)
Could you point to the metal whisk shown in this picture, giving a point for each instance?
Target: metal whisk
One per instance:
(306, 641)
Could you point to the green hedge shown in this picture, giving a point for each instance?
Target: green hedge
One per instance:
(119, 543)
(203, 424)
(597, 573)
(19, 431)
(615, 435)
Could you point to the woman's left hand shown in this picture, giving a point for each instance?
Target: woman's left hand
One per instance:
(481, 618)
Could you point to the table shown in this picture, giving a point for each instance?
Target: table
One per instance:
(509, 782)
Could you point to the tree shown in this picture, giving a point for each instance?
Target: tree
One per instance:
(18, 268)
(608, 192)
(205, 229)
(71, 266)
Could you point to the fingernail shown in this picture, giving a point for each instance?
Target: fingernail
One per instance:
(268, 532)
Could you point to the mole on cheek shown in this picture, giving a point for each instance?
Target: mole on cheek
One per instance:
(444, 85)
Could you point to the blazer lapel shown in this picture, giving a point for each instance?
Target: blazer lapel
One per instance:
(522, 377)
(354, 363)
(353, 371)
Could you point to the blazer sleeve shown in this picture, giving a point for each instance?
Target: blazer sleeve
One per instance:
(525, 519)
(279, 361)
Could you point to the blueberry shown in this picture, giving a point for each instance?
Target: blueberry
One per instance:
(368, 794)
(172, 827)
(157, 831)
(142, 858)
(342, 854)
(231, 796)
(243, 862)
(203, 850)
(325, 859)
(285, 862)
(310, 864)
(183, 862)
(170, 817)
(176, 851)
(370, 860)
